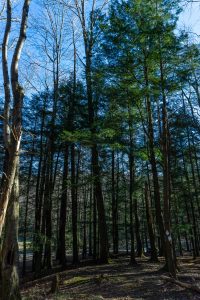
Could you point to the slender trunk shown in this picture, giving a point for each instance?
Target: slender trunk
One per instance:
(90, 223)
(137, 229)
(84, 252)
(125, 215)
(131, 183)
(126, 225)
(74, 206)
(38, 198)
(47, 210)
(169, 253)
(114, 208)
(94, 226)
(102, 228)
(159, 217)
(38, 240)
(61, 247)
(98, 195)
(154, 255)
(194, 235)
(27, 207)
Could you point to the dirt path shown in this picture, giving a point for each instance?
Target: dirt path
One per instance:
(118, 280)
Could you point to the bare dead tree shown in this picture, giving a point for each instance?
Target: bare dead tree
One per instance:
(9, 199)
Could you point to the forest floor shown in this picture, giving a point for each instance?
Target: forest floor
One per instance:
(118, 280)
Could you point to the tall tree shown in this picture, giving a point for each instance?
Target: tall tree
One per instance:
(89, 40)
(9, 201)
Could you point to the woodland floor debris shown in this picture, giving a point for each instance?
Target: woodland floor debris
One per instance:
(120, 281)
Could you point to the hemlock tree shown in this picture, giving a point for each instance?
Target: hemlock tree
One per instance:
(87, 25)
(139, 38)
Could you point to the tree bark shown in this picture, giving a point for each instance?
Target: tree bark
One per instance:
(74, 206)
(12, 140)
(9, 253)
(157, 200)
(61, 250)
(154, 255)
(27, 205)
(169, 253)
(114, 208)
(98, 195)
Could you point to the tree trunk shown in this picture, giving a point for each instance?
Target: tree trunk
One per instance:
(61, 250)
(169, 253)
(39, 198)
(9, 201)
(137, 229)
(47, 209)
(26, 213)
(94, 226)
(38, 239)
(114, 208)
(9, 253)
(103, 239)
(98, 196)
(157, 200)
(90, 222)
(131, 183)
(74, 206)
(154, 255)
(84, 251)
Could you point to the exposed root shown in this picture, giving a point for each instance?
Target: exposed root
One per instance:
(182, 284)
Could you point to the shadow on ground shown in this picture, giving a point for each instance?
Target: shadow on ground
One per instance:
(120, 281)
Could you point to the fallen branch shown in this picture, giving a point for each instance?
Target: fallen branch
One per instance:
(182, 284)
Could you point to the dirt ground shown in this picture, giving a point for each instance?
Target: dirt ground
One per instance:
(118, 280)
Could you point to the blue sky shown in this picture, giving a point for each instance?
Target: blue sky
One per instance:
(190, 18)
